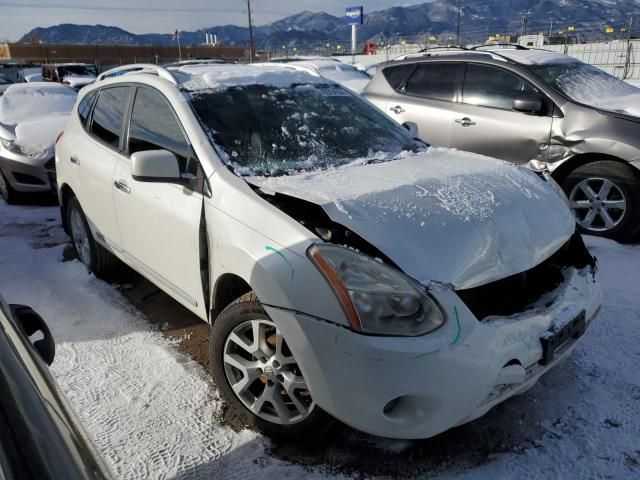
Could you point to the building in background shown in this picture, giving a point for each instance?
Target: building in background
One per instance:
(108, 55)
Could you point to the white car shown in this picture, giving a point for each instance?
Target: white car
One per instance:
(347, 270)
(32, 115)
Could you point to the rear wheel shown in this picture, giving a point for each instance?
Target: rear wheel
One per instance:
(93, 255)
(605, 199)
(6, 190)
(258, 375)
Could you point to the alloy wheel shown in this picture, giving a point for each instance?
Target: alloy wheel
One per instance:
(263, 374)
(80, 236)
(598, 204)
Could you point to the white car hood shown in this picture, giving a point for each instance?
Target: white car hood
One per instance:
(37, 137)
(444, 215)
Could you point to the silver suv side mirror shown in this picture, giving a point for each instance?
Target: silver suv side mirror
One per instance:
(528, 103)
(155, 166)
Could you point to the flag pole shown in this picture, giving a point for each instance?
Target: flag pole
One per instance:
(179, 48)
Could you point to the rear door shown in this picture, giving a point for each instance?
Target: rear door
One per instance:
(160, 222)
(94, 157)
(427, 99)
(486, 123)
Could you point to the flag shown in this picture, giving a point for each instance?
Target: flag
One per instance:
(174, 37)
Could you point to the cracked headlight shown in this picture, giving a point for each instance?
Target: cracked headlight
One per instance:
(376, 298)
(10, 146)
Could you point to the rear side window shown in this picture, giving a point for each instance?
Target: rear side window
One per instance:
(396, 75)
(154, 126)
(492, 87)
(434, 80)
(85, 107)
(108, 115)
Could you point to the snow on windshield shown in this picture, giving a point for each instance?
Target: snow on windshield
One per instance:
(33, 100)
(268, 131)
(589, 85)
(226, 76)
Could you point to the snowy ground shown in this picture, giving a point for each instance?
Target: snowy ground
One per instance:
(152, 411)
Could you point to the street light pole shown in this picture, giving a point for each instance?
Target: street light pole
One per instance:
(250, 32)
(458, 27)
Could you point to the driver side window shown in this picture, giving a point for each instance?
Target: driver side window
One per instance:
(154, 127)
(492, 87)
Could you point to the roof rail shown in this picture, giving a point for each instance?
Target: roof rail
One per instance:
(139, 68)
(452, 47)
(501, 45)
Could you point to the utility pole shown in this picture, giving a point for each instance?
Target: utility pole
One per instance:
(458, 27)
(250, 32)
(523, 30)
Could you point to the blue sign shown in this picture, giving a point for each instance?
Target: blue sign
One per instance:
(354, 16)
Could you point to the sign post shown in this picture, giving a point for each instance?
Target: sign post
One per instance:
(354, 16)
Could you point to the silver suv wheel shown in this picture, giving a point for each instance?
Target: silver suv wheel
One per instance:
(263, 374)
(598, 204)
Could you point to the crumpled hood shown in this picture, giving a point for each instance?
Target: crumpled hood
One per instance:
(443, 215)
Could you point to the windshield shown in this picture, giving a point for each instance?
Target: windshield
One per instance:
(70, 70)
(271, 131)
(340, 71)
(585, 83)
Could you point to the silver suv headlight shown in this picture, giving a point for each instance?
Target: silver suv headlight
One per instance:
(376, 298)
(10, 146)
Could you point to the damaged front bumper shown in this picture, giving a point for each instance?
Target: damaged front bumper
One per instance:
(25, 174)
(418, 387)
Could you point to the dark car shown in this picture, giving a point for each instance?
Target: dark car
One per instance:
(39, 437)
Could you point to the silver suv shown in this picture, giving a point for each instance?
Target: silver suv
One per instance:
(528, 106)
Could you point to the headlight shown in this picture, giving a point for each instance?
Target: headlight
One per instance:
(376, 298)
(10, 145)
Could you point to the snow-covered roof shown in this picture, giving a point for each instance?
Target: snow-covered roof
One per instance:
(533, 57)
(24, 101)
(205, 77)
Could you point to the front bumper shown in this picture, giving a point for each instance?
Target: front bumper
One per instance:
(28, 175)
(437, 381)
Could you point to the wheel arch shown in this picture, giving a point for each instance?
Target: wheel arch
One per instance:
(66, 194)
(228, 287)
(560, 173)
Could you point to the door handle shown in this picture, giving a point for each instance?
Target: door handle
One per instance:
(75, 160)
(465, 122)
(397, 109)
(123, 187)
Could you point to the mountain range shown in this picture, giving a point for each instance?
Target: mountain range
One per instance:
(478, 19)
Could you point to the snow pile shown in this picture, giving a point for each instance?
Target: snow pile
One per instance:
(150, 411)
(37, 137)
(219, 77)
(24, 101)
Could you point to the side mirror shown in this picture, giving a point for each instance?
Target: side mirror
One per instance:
(31, 323)
(412, 128)
(528, 103)
(155, 166)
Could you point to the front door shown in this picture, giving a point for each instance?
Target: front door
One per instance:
(486, 123)
(426, 100)
(160, 222)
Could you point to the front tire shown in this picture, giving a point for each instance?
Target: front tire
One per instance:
(258, 376)
(604, 197)
(97, 259)
(6, 190)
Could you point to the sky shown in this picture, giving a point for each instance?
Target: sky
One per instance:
(17, 17)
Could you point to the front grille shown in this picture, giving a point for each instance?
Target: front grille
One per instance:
(27, 179)
(517, 293)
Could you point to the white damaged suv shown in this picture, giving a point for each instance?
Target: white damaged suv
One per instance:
(347, 270)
